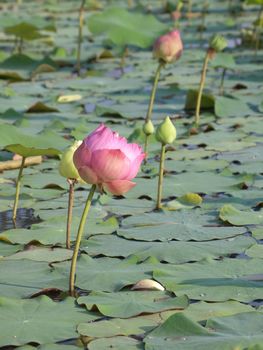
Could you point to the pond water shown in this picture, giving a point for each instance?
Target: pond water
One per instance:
(25, 218)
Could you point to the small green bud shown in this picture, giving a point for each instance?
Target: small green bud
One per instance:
(148, 128)
(217, 43)
(166, 132)
(66, 165)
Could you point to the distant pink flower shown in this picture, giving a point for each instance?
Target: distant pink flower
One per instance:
(168, 47)
(108, 160)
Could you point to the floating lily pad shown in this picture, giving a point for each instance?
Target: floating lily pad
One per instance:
(172, 251)
(230, 279)
(129, 304)
(39, 320)
(225, 332)
(240, 217)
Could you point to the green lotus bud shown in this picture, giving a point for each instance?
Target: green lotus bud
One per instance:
(66, 165)
(166, 132)
(148, 128)
(217, 43)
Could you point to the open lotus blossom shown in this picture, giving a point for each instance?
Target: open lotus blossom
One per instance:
(108, 160)
(168, 47)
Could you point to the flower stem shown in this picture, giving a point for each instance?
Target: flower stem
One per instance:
(18, 185)
(160, 181)
(221, 88)
(152, 98)
(20, 45)
(70, 207)
(78, 240)
(123, 58)
(189, 9)
(201, 87)
(257, 30)
(81, 12)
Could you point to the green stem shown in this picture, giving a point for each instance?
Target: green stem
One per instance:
(152, 98)
(257, 30)
(221, 88)
(230, 5)
(78, 240)
(160, 181)
(189, 10)
(18, 185)
(123, 58)
(201, 87)
(204, 13)
(70, 207)
(81, 15)
(146, 142)
(20, 45)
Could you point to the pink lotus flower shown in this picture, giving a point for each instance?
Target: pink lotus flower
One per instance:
(106, 159)
(168, 47)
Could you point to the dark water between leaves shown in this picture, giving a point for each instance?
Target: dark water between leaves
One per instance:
(25, 218)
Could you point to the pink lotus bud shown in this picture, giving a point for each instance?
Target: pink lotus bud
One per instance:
(168, 47)
(108, 160)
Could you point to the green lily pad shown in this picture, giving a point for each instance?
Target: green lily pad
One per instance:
(256, 251)
(42, 254)
(39, 320)
(240, 217)
(183, 225)
(207, 100)
(31, 151)
(230, 279)
(118, 343)
(230, 107)
(173, 252)
(124, 27)
(9, 135)
(23, 278)
(118, 326)
(24, 30)
(129, 304)
(108, 274)
(219, 333)
(224, 60)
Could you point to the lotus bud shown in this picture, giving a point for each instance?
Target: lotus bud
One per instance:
(166, 132)
(217, 43)
(148, 128)
(66, 165)
(168, 48)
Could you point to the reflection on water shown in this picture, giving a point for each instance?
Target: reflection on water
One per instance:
(25, 218)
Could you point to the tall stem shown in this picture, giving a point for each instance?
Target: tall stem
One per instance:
(70, 207)
(189, 9)
(18, 185)
(201, 87)
(81, 19)
(152, 98)
(78, 240)
(221, 88)
(160, 180)
(257, 30)
(230, 5)
(20, 45)
(204, 13)
(123, 58)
